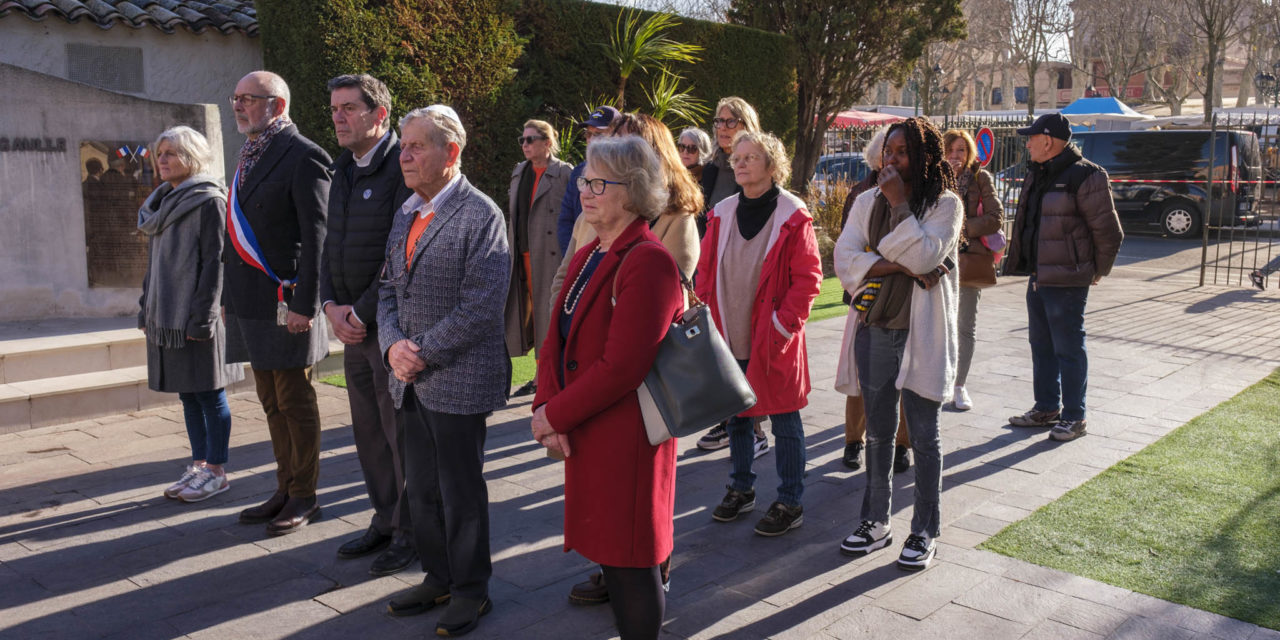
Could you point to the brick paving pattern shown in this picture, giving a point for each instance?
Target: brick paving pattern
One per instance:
(89, 548)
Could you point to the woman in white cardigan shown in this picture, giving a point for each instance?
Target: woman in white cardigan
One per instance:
(896, 256)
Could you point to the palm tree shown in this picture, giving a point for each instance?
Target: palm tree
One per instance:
(673, 105)
(636, 45)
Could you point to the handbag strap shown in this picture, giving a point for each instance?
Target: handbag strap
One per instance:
(684, 280)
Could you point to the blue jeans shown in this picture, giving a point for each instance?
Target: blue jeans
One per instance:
(208, 424)
(788, 439)
(1059, 363)
(878, 354)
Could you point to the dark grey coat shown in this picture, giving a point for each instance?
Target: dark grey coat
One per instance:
(449, 301)
(199, 365)
(285, 199)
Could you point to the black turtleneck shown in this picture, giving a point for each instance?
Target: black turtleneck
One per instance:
(754, 213)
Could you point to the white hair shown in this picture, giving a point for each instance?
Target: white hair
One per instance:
(190, 145)
(446, 127)
(700, 140)
(631, 160)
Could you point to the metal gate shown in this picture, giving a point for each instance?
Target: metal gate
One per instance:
(1243, 251)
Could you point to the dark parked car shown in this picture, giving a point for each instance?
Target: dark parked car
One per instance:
(845, 167)
(1159, 178)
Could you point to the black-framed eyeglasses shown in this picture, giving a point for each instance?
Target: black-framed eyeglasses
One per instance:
(248, 98)
(596, 185)
(687, 148)
(523, 140)
(727, 123)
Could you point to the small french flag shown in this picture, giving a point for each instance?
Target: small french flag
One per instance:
(142, 152)
(123, 151)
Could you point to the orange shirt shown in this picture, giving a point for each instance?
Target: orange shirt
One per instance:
(419, 225)
(537, 177)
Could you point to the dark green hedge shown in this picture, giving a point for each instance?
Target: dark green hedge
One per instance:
(500, 62)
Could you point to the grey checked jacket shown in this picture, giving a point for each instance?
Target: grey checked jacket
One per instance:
(449, 301)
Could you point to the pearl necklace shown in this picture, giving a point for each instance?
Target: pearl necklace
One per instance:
(571, 300)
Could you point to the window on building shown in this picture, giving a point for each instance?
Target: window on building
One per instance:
(111, 68)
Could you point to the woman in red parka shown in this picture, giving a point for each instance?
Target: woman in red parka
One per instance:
(619, 491)
(759, 271)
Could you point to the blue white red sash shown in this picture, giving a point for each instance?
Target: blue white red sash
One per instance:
(245, 243)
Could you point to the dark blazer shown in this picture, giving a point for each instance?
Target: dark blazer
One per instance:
(361, 210)
(449, 301)
(284, 199)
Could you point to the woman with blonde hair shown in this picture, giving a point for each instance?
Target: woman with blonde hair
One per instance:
(733, 116)
(537, 186)
(759, 272)
(983, 215)
(184, 220)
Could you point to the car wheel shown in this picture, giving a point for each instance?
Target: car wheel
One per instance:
(1180, 219)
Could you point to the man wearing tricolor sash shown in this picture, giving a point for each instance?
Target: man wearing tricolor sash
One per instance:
(276, 214)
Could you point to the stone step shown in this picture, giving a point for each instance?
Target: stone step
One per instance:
(66, 355)
(56, 399)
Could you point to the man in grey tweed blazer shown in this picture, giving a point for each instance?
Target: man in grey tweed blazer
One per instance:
(440, 317)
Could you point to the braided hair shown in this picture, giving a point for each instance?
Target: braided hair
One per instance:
(931, 174)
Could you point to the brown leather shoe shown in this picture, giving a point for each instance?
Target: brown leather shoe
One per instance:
(592, 591)
(297, 512)
(266, 511)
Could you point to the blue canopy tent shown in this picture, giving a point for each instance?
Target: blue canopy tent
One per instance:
(1087, 114)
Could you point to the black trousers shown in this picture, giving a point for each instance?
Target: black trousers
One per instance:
(448, 499)
(378, 436)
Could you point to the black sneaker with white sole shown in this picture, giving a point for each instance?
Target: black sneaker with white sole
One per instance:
(868, 537)
(735, 503)
(715, 439)
(780, 519)
(917, 552)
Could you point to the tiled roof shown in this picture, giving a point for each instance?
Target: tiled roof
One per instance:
(226, 16)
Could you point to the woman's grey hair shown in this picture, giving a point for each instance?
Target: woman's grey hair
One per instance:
(701, 140)
(445, 127)
(873, 153)
(742, 110)
(545, 129)
(631, 160)
(190, 145)
(775, 154)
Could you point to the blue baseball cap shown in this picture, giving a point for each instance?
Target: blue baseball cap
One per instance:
(602, 117)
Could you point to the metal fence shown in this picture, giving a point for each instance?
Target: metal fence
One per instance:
(1246, 253)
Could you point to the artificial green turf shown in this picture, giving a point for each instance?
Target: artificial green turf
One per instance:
(1192, 518)
(827, 305)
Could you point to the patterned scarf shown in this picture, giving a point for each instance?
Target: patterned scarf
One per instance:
(253, 147)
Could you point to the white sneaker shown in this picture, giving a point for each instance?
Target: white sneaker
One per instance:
(205, 485)
(917, 552)
(868, 537)
(760, 446)
(177, 487)
(961, 400)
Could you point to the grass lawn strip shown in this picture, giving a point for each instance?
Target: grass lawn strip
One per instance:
(1192, 518)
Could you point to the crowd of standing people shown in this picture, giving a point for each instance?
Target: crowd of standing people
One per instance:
(432, 288)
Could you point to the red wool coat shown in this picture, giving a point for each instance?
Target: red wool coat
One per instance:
(619, 491)
(790, 279)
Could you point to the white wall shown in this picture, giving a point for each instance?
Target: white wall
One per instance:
(178, 67)
(43, 247)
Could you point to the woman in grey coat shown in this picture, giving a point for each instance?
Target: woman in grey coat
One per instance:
(184, 220)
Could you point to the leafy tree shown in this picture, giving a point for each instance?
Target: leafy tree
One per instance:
(846, 47)
(672, 104)
(637, 45)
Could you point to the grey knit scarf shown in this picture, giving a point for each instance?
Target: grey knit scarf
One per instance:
(174, 241)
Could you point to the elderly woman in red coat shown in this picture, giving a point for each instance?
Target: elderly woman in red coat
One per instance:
(619, 490)
(759, 272)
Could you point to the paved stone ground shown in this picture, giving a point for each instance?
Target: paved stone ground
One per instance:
(89, 548)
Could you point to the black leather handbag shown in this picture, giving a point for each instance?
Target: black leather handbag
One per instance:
(695, 382)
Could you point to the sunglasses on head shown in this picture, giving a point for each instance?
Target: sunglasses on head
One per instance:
(529, 139)
(687, 148)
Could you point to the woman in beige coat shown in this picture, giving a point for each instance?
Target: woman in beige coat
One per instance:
(677, 227)
(537, 187)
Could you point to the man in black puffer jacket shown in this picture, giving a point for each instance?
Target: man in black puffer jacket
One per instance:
(367, 190)
(1065, 236)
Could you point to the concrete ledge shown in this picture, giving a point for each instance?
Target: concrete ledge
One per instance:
(29, 404)
(70, 354)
